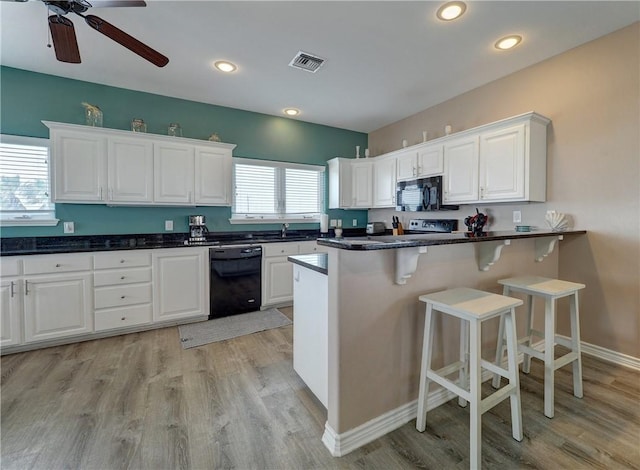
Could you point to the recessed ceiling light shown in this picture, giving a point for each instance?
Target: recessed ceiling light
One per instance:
(451, 10)
(292, 111)
(508, 42)
(225, 66)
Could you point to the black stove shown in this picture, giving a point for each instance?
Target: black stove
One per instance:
(432, 226)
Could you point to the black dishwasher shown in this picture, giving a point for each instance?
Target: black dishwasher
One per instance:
(235, 279)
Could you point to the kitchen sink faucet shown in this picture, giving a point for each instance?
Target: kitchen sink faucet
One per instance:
(283, 232)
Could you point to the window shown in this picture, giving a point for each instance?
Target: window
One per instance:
(268, 191)
(24, 182)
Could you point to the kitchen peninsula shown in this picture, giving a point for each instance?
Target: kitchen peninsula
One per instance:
(374, 321)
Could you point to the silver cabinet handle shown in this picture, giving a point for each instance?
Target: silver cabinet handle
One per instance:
(122, 296)
(122, 278)
(123, 318)
(26, 287)
(100, 196)
(122, 261)
(12, 290)
(58, 265)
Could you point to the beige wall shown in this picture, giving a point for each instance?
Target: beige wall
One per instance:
(592, 95)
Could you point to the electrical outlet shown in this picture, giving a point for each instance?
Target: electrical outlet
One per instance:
(69, 227)
(355, 222)
(517, 217)
(332, 222)
(168, 225)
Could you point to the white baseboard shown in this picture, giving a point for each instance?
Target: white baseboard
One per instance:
(343, 443)
(609, 355)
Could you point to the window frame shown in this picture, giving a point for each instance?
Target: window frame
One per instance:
(30, 218)
(280, 217)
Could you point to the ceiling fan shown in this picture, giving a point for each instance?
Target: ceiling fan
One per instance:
(63, 33)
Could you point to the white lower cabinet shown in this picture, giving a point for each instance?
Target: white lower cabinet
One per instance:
(122, 289)
(57, 305)
(311, 330)
(277, 271)
(180, 283)
(10, 311)
(58, 296)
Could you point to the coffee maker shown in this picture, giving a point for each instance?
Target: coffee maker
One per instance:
(197, 229)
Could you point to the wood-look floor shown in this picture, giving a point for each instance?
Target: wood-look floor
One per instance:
(140, 401)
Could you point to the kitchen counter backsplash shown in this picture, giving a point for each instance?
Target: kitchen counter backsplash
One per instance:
(71, 244)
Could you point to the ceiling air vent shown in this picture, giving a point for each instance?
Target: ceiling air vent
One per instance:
(307, 62)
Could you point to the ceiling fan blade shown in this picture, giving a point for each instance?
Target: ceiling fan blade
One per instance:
(64, 39)
(126, 40)
(118, 3)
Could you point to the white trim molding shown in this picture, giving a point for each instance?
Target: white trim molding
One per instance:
(609, 355)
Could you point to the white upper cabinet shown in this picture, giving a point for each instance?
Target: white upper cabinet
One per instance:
(340, 183)
(407, 166)
(130, 170)
(461, 170)
(213, 177)
(173, 174)
(384, 182)
(94, 165)
(430, 160)
(362, 184)
(78, 166)
(420, 161)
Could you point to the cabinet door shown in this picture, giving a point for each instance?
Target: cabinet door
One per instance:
(79, 167)
(57, 306)
(384, 182)
(502, 164)
(362, 184)
(10, 309)
(173, 168)
(407, 165)
(130, 170)
(278, 285)
(180, 283)
(339, 184)
(430, 161)
(213, 177)
(461, 170)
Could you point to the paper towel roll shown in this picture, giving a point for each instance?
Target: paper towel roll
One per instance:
(324, 223)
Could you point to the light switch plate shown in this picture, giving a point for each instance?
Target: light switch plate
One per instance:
(355, 222)
(168, 225)
(69, 227)
(517, 217)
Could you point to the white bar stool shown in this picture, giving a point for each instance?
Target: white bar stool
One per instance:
(472, 307)
(550, 290)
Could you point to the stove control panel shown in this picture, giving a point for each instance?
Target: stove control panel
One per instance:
(433, 225)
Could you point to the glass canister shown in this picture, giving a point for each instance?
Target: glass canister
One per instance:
(138, 125)
(174, 130)
(93, 115)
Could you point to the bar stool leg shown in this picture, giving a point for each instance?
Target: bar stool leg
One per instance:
(512, 358)
(463, 374)
(427, 345)
(526, 362)
(475, 428)
(549, 343)
(575, 345)
(495, 383)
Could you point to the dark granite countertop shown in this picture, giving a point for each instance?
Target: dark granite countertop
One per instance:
(314, 261)
(88, 243)
(386, 242)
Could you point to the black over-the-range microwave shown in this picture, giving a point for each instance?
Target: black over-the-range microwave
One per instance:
(424, 194)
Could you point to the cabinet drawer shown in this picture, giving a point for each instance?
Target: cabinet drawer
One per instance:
(119, 296)
(122, 259)
(280, 249)
(311, 247)
(57, 264)
(119, 277)
(9, 266)
(122, 317)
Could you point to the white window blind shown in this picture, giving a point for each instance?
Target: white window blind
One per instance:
(270, 191)
(24, 179)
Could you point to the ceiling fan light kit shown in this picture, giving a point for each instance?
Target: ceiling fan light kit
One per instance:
(63, 33)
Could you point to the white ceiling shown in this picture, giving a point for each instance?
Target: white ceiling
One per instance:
(386, 60)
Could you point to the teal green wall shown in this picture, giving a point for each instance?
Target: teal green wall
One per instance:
(26, 98)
